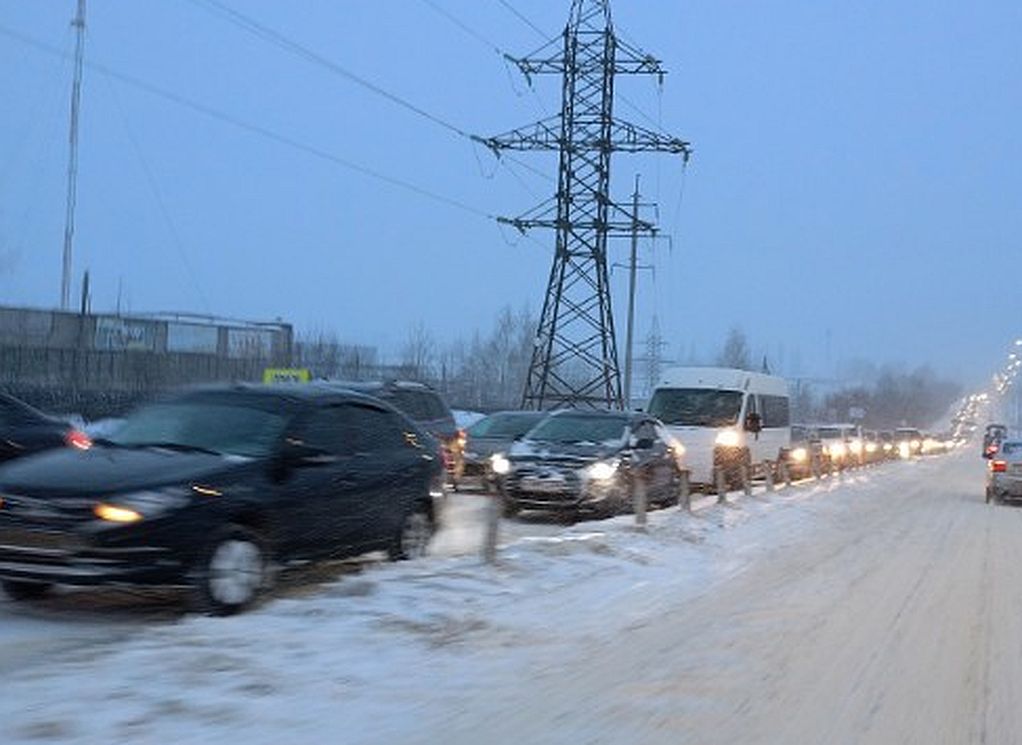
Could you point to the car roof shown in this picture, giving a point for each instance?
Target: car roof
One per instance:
(296, 392)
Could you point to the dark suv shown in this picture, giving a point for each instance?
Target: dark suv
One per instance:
(426, 408)
(24, 430)
(207, 488)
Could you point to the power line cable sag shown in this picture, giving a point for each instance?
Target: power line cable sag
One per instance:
(266, 33)
(256, 129)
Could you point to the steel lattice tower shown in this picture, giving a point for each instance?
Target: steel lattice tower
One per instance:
(574, 361)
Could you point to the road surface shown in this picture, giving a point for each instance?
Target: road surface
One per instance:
(882, 608)
(897, 620)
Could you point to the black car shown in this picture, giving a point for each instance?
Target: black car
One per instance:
(589, 462)
(25, 430)
(491, 435)
(208, 488)
(426, 408)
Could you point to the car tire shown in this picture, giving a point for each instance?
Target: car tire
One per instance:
(17, 590)
(414, 535)
(231, 573)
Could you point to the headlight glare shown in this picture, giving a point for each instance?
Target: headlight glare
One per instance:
(499, 464)
(602, 470)
(728, 438)
(135, 506)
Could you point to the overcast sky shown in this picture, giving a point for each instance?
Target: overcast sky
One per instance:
(854, 192)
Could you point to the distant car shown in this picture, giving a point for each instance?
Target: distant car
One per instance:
(587, 462)
(1004, 472)
(888, 445)
(25, 430)
(209, 488)
(834, 443)
(806, 450)
(992, 437)
(492, 435)
(909, 441)
(425, 407)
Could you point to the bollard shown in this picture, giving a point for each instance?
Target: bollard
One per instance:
(814, 466)
(785, 472)
(746, 480)
(768, 467)
(684, 491)
(640, 501)
(721, 482)
(494, 507)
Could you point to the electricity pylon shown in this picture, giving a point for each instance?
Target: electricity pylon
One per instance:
(574, 361)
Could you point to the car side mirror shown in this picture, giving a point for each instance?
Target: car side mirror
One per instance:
(753, 422)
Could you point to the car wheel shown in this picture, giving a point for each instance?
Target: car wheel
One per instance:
(232, 572)
(413, 539)
(25, 590)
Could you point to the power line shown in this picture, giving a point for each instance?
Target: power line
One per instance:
(275, 37)
(465, 27)
(256, 129)
(524, 19)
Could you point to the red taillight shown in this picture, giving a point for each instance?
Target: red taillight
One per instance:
(77, 439)
(991, 449)
(998, 466)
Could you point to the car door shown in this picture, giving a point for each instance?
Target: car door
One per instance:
(320, 491)
(390, 469)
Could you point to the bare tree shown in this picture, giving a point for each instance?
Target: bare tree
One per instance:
(418, 354)
(736, 350)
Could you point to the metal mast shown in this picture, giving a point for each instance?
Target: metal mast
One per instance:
(72, 163)
(574, 361)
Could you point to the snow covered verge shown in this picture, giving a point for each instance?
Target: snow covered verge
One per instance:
(392, 653)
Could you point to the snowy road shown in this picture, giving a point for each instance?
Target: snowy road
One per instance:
(883, 608)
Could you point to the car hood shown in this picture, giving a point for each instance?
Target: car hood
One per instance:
(485, 446)
(105, 470)
(537, 450)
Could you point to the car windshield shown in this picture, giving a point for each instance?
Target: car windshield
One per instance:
(696, 407)
(830, 433)
(504, 425)
(228, 428)
(571, 429)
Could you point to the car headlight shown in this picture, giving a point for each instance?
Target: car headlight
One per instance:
(602, 470)
(871, 447)
(141, 505)
(728, 438)
(855, 446)
(800, 455)
(499, 464)
(838, 449)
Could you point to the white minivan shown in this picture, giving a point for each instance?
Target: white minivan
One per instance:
(724, 417)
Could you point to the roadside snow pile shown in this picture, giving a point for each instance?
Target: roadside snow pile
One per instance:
(377, 657)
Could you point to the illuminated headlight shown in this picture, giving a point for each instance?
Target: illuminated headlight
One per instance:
(903, 449)
(916, 444)
(500, 464)
(800, 455)
(838, 450)
(871, 447)
(888, 447)
(855, 446)
(602, 470)
(131, 508)
(729, 438)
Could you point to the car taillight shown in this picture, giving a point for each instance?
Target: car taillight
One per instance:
(991, 449)
(77, 439)
(998, 466)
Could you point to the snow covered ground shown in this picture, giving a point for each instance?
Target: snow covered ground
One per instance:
(562, 642)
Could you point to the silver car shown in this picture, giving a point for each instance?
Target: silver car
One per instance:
(1004, 472)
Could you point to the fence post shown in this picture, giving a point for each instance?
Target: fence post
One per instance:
(769, 473)
(494, 508)
(684, 491)
(640, 500)
(721, 482)
(785, 472)
(746, 480)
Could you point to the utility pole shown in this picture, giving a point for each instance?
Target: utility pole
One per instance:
(574, 360)
(631, 296)
(72, 162)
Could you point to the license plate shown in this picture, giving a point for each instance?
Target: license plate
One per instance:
(549, 485)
